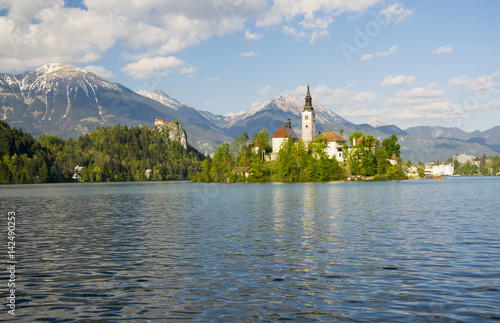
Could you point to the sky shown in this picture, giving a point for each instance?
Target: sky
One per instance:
(409, 63)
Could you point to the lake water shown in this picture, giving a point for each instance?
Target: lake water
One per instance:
(350, 251)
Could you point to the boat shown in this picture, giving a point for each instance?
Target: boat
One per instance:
(438, 177)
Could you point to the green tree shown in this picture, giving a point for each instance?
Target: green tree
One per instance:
(242, 150)
(222, 163)
(263, 139)
(391, 146)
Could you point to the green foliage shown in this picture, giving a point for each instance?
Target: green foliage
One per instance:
(391, 146)
(23, 159)
(369, 158)
(485, 166)
(421, 172)
(222, 163)
(295, 162)
(362, 157)
(495, 164)
(263, 139)
(108, 153)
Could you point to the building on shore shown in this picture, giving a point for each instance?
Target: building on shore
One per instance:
(463, 158)
(308, 120)
(335, 145)
(284, 133)
(335, 142)
(445, 170)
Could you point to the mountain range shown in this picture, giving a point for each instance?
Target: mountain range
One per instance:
(68, 101)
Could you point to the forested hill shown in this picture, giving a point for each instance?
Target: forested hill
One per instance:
(116, 153)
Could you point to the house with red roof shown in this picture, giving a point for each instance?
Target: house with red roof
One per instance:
(335, 145)
(285, 132)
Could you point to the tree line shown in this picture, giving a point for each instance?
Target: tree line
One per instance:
(297, 161)
(484, 166)
(116, 153)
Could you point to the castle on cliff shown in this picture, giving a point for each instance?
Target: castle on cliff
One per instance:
(174, 131)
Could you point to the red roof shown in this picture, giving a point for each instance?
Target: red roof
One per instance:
(358, 141)
(332, 136)
(241, 169)
(285, 132)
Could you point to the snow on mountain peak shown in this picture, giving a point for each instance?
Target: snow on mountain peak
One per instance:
(161, 97)
(376, 122)
(49, 68)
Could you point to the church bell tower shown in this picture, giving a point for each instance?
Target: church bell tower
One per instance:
(308, 120)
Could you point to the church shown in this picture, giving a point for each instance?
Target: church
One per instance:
(335, 143)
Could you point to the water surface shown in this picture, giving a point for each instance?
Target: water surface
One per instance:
(371, 251)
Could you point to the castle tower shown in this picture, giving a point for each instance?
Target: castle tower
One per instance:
(308, 120)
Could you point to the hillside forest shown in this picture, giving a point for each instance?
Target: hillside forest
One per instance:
(118, 153)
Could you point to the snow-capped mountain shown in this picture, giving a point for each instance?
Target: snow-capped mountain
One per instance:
(161, 97)
(51, 91)
(291, 105)
(68, 101)
(273, 113)
(376, 122)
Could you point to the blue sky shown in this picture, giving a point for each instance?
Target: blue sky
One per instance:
(406, 62)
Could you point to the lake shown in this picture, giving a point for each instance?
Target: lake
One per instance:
(423, 250)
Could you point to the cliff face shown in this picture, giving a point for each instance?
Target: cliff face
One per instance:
(174, 131)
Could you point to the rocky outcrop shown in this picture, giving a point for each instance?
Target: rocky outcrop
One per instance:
(174, 131)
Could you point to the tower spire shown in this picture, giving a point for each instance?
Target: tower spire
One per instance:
(308, 106)
(308, 119)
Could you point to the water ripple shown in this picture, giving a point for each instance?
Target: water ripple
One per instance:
(393, 251)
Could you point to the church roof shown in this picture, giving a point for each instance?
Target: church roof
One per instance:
(285, 132)
(332, 136)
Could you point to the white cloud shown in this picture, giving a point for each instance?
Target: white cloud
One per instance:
(482, 83)
(99, 70)
(422, 105)
(397, 80)
(252, 36)
(474, 106)
(396, 13)
(214, 79)
(443, 50)
(359, 111)
(288, 9)
(318, 25)
(294, 32)
(366, 57)
(392, 51)
(365, 97)
(36, 32)
(208, 103)
(338, 96)
(265, 90)
(317, 15)
(249, 54)
(157, 66)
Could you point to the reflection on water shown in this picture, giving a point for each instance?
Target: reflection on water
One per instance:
(391, 251)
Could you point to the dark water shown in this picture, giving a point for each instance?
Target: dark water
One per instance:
(390, 251)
